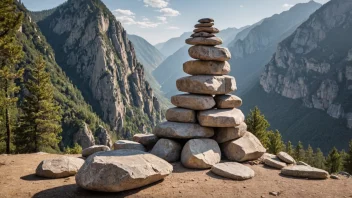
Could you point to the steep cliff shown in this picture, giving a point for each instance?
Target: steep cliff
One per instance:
(93, 49)
(250, 54)
(314, 64)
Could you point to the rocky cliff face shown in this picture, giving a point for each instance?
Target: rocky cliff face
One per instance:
(314, 64)
(93, 48)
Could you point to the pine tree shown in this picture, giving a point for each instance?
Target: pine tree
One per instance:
(275, 144)
(348, 161)
(289, 148)
(299, 152)
(319, 159)
(309, 155)
(334, 161)
(258, 125)
(10, 54)
(40, 124)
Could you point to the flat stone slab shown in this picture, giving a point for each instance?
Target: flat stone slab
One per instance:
(207, 84)
(199, 67)
(193, 101)
(179, 130)
(59, 167)
(231, 133)
(168, 150)
(220, 117)
(286, 158)
(120, 170)
(233, 170)
(206, 20)
(227, 101)
(243, 149)
(210, 53)
(211, 24)
(93, 149)
(200, 154)
(206, 29)
(127, 144)
(305, 172)
(147, 140)
(181, 115)
(274, 163)
(211, 41)
(202, 34)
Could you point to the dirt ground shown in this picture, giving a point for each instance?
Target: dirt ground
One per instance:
(17, 179)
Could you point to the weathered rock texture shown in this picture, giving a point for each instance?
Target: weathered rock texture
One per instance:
(220, 117)
(193, 101)
(182, 130)
(230, 133)
(305, 172)
(233, 170)
(59, 167)
(181, 115)
(168, 150)
(126, 144)
(94, 149)
(84, 137)
(199, 67)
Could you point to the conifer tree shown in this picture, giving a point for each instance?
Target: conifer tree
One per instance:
(319, 159)
(299, 152)
(348, 161)
(275, 144)
(289, 148)
(334, 161)
(10, 54)
(309, 155)
(258, 125)
(40, 124)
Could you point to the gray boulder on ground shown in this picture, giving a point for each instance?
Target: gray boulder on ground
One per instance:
(179, 130)
(274, 163)
(220, 117)
(199, 67)
(200, 153)
(180, 115)
(115, 171)
(305, 172)
(193, 101)
(222, 135)
(127, 144)
(59, 167)
(93, 149)
(168, 150)
(227, 101)
(233, 170)
(147, 140)
(286, 158)
(243, 149)
(209, 53)
(207, 84)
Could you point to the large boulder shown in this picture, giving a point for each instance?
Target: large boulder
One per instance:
(193, 101)
(84, 137)
(115, 171)
(59, 167)
(209, 53)
(199, 67)
(94, 149)
(207, 84)
(182, 130)
(305, 172)
(200, 153)
(220, 117)
(212, 41)
(233, 170)
(231, 133)
(286, 158)
(147, 140)
(227, 101)
(180, 115)
(103, 136)
(243, 149)
(274, 163)
(127, 144)
(168, 150)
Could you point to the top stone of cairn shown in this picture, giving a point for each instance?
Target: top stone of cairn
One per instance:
(206, 20)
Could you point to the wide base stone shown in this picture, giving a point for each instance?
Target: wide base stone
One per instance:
(232, 133)
(200, 153)
(227, 101)
(305, 172)
(180, 115)
(207, 84)
(115, 171)
(243, 149)
(127, 144)
(220, 117)
(59, 167)
(209, 53)
(198, 67)
(93, 149)
(168, 150)
(233, 170)
(212, 41)
(193, 101)
(182, 130)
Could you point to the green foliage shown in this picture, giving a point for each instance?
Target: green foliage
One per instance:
(258, 125)
(299, 152)
(334, 161)
(76, 149)
(289, 148)
(348, 160)
(275, 143)
(319, 159)
(309, 155)
(40, 124)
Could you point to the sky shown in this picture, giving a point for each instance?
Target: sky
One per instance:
(159, 20)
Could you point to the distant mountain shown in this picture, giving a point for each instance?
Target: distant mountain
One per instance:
(172, 45)
(250, 54)
(171, 68)
(306, 89)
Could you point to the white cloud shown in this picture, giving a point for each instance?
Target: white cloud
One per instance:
(147, 24)
(124, 12)
(155, 3)
(286, 5)
(172, 28)
(162, 19)
(126, 20)
(169, 12)
(145, 19)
